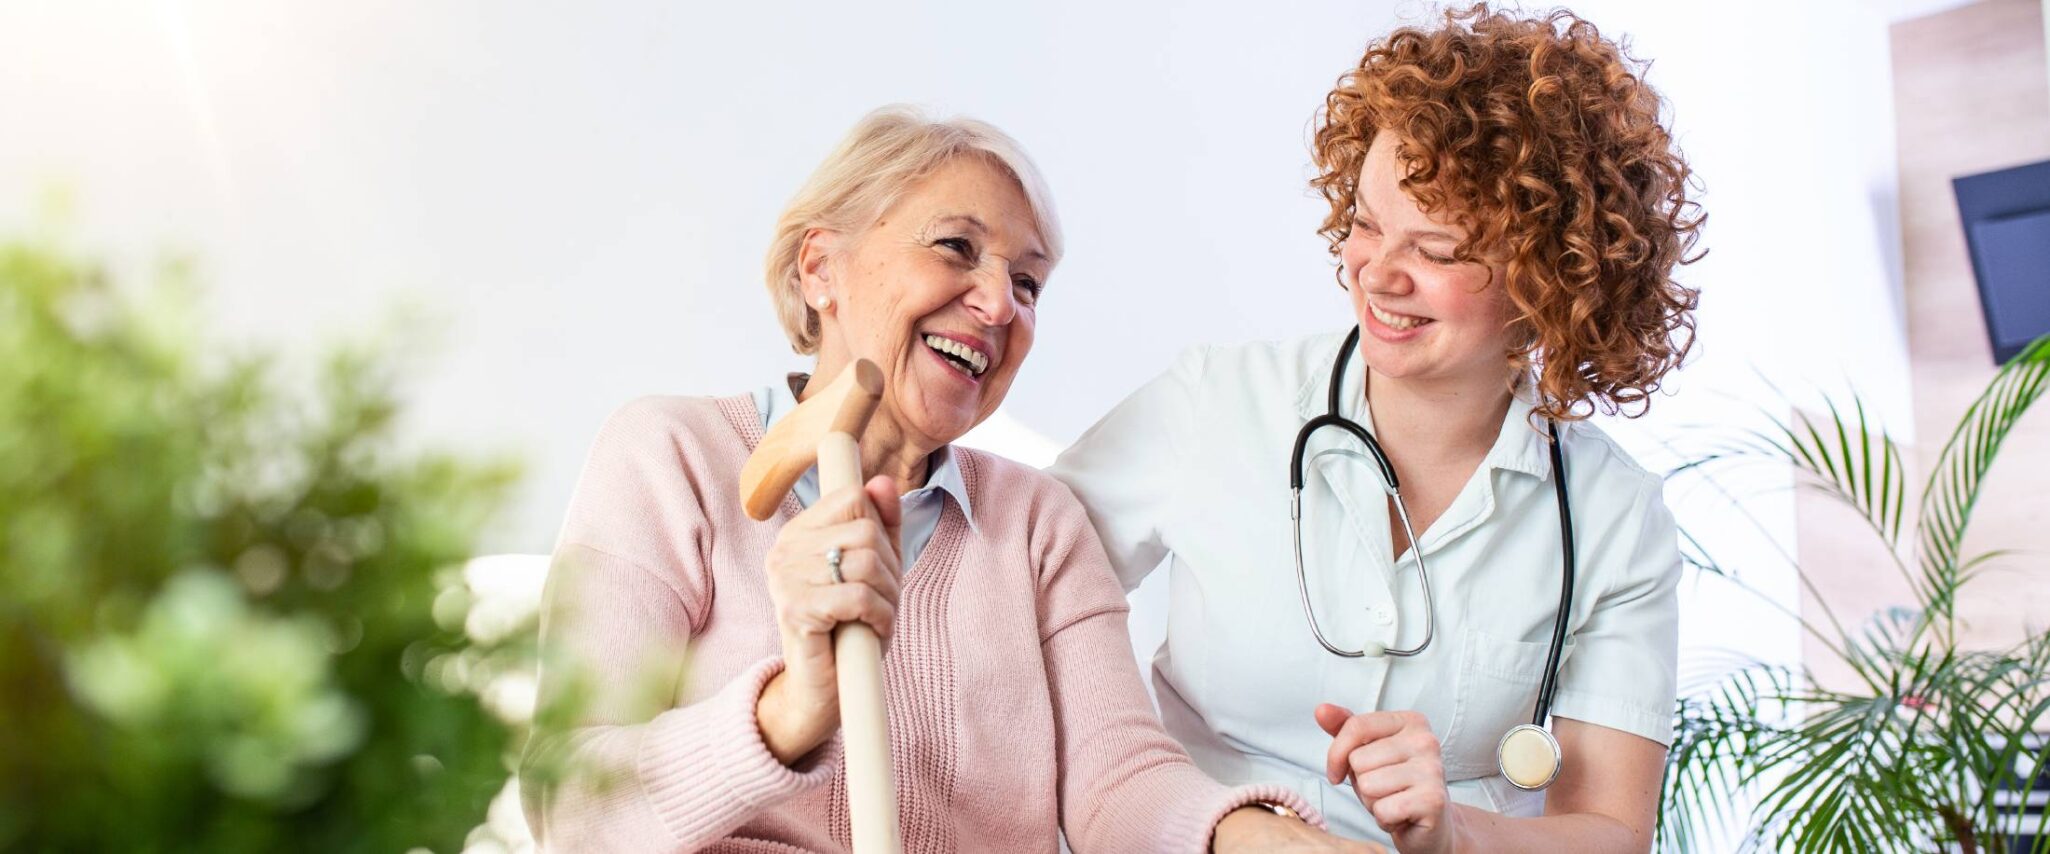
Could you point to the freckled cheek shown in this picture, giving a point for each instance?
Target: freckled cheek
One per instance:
(1462, 298)
(1351, 255)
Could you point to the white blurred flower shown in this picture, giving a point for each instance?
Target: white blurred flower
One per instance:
(505, 594)
(504, 830)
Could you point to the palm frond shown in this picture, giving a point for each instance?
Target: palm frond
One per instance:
(1852, 461)
(1954, 483)
(1926, 749)
(1696, 554)
(1717, 736)
(1855, 461)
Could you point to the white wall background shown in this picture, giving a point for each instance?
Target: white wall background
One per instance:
(581, 193)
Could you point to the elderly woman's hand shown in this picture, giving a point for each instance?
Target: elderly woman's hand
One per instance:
(1256, 829)
(800, 708)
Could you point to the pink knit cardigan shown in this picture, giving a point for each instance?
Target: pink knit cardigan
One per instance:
(1015, 707)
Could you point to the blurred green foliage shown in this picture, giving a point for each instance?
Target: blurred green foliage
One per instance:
(219, 626)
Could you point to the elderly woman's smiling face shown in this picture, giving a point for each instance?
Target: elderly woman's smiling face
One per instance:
(940, 292)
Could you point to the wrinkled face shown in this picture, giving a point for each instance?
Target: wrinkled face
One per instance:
(940, 293)
(1422, 315)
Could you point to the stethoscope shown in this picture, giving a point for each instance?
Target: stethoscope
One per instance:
(1528, 754)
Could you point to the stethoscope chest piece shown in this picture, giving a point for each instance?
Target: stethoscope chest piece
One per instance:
(1529, 757)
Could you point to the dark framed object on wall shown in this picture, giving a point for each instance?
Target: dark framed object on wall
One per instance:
(2006, 218)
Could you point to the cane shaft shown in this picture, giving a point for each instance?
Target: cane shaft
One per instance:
(857, 658)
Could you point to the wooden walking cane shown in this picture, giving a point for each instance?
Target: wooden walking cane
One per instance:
(827, 429)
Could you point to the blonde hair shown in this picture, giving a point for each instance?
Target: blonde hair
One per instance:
(887, 152)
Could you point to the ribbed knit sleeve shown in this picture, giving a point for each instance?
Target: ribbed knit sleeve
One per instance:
(619, 779)
(1125, 785)
(612, 767)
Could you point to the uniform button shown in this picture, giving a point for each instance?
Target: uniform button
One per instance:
(1384, 616)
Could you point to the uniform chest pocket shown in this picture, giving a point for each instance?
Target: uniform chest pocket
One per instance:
(1498, 687)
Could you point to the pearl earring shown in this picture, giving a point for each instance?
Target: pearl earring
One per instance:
(825, 302)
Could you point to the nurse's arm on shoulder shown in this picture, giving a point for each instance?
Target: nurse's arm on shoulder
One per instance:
(1127, 468)
(1604, 799)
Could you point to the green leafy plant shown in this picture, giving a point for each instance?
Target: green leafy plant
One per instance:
(1914, 755)
(231, 610)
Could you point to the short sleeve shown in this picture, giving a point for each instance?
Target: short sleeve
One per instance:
(1621, 671)
(1126, 468)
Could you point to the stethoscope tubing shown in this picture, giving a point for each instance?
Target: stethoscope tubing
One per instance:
(1549, 684)
(1566, 574)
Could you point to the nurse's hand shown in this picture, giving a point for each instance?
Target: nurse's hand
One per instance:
(800, 708)
(1398, 772)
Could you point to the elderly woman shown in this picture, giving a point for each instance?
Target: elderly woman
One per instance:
(694, 645)
(1483, 599)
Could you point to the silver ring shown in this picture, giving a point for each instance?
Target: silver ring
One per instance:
(833, 564)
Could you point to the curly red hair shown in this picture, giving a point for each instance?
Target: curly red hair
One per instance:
(1543, 141)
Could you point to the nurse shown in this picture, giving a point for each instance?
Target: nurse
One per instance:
(1507, 211)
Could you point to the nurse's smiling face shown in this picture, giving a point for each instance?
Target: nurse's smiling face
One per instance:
(1423, 315)
(941, 293)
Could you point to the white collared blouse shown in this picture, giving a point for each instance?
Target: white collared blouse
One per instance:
(1193, 469)
(922, 506)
